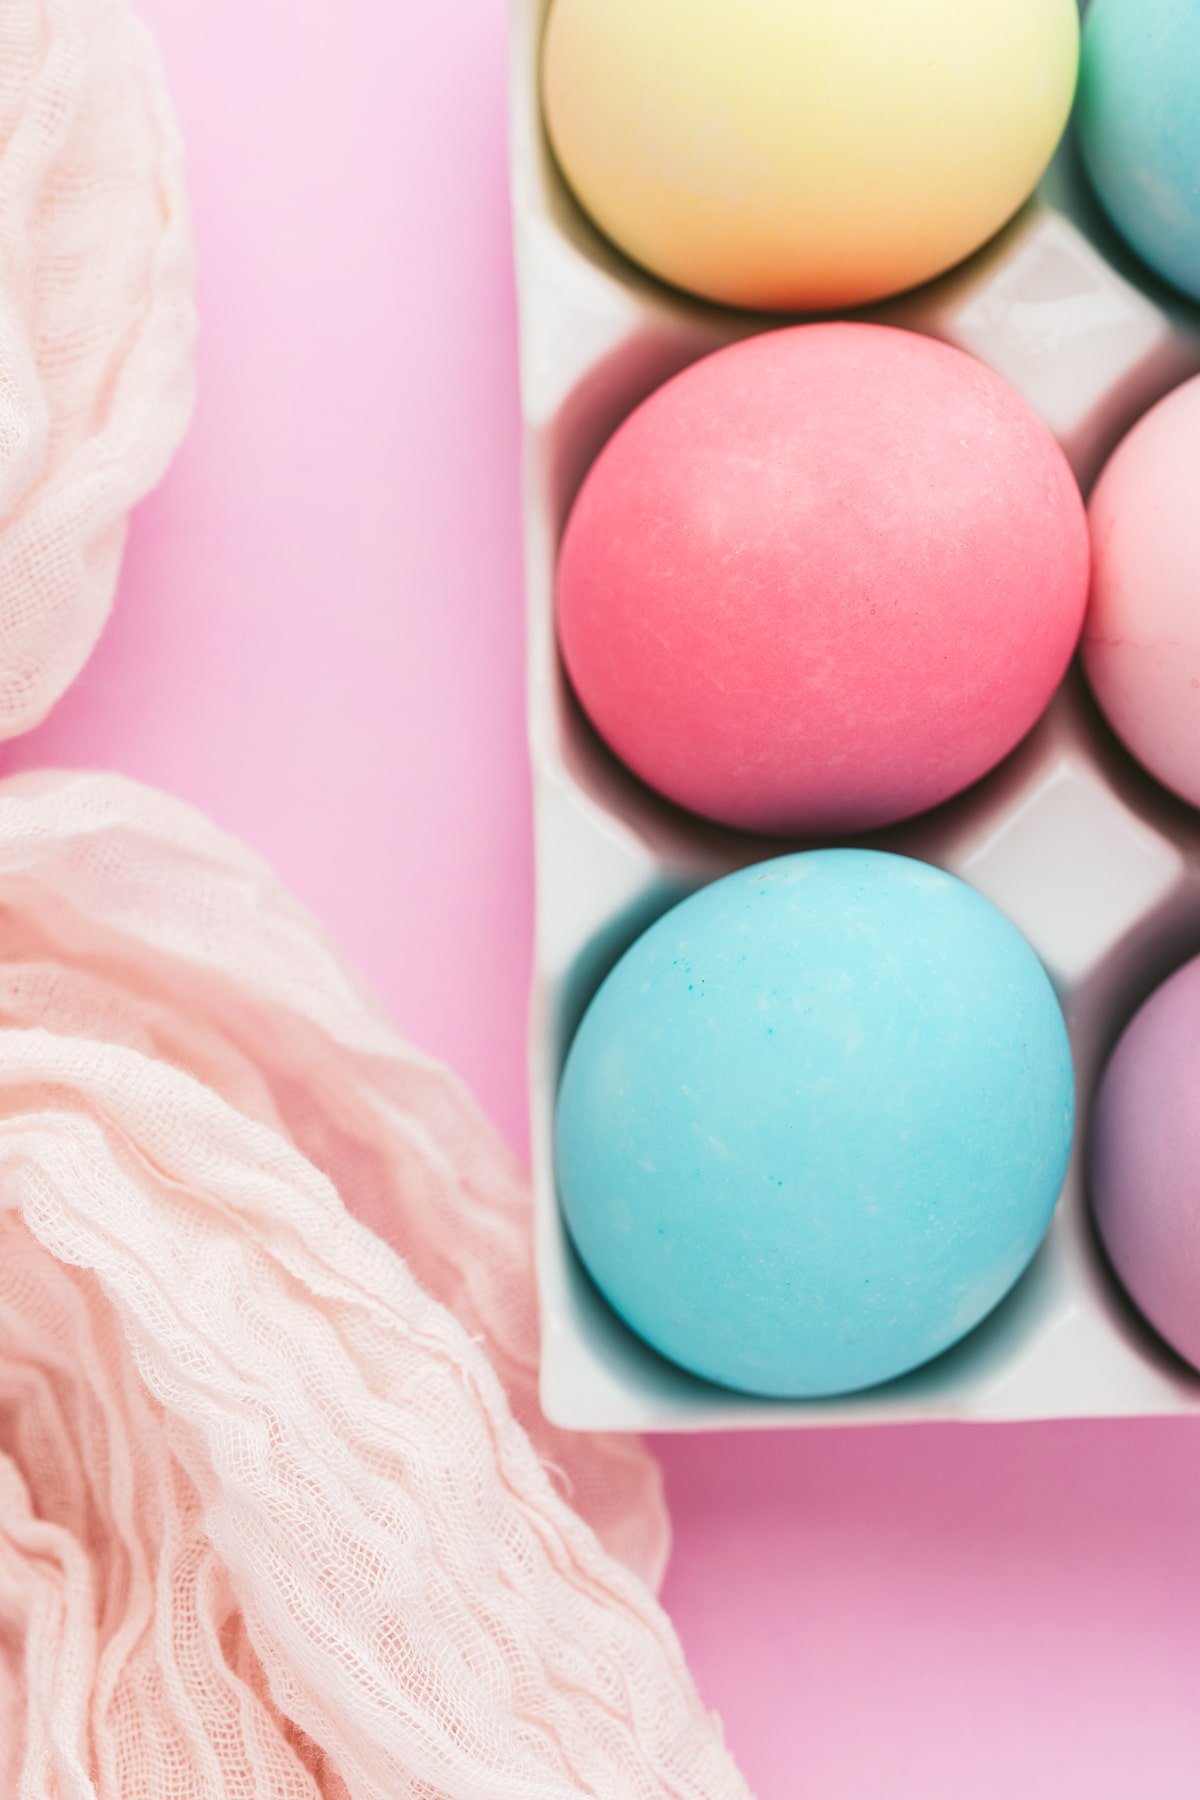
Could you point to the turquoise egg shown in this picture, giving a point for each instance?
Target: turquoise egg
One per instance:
(1138, 118)
(815, 1121)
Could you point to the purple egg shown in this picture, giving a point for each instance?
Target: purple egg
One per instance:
(1145, 1160)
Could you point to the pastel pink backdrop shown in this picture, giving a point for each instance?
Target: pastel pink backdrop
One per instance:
(318, 640)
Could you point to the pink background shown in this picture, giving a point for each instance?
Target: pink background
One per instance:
(318, 639)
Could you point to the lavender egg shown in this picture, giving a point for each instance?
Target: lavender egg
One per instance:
(1145, 1161)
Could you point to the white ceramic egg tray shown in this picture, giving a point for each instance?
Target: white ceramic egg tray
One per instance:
(1098, 866)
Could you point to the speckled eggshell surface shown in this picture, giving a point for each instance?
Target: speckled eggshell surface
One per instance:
(814, 1123)
(1145, 1160)
(1138, 120)
(1141, 639)
(823, 579)
(805, 155)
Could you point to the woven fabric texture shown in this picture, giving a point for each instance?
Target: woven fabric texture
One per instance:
(96, 325)
(278, 1514)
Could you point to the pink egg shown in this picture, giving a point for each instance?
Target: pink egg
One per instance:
(823, 579)
(1141, 640)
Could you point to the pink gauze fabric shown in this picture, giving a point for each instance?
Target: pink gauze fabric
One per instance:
(96, 325)
(278, 1514)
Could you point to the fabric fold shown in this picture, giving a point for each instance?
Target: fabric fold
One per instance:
(278, 1512)
(96, 326)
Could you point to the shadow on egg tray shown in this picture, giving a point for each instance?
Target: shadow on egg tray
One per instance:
(988, 1351)
(1064, 186)
(701, 851)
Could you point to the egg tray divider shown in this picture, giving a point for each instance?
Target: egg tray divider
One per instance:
(1097, 865)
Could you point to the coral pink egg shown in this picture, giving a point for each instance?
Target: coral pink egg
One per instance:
(823, 579)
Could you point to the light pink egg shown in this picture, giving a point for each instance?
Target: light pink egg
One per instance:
(1141, 640)
(822, 580)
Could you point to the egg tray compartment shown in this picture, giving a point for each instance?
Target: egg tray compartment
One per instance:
(1096, 864)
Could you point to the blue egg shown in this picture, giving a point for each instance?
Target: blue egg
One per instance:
(814, 1123)
(1138, 114)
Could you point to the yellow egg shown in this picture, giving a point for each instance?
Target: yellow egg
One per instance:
(805, 154)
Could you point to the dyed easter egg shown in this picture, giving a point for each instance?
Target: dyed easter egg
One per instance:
(823, 579)
(1145, 1154)
(1141, 638)
(805, 154)
(1139, 127)
(814, 1123)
